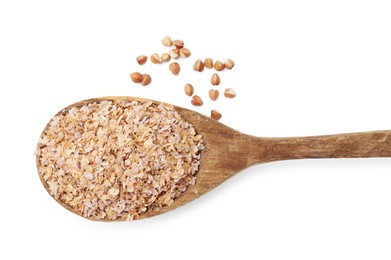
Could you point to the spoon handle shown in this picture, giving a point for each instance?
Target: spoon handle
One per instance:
(353, 145)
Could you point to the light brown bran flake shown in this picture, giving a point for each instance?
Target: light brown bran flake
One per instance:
(113, 160)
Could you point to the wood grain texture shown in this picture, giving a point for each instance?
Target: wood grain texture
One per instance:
(228, 151)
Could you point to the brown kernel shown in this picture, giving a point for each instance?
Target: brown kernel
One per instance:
(218, 65)
(213, 94)
(178, 44)
(215, 114)
(136, 77)
(166, 57)
(174, 68)
(198, 65)
(174, 53)
(229, 64)
(189, 89)
(142, 59)
(229, 93)
(146, 80)
(155, 58)
(215, 79)
(184, 52)
(166, 41)
(196, 101)
(208, 62)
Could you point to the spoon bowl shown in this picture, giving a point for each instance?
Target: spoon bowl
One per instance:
(228, 151)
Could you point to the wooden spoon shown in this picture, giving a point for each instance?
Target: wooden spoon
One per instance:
(228, 151)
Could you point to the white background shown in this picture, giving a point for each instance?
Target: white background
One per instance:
(303, 68)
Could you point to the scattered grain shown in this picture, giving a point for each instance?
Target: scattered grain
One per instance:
(166, 41)
(174, 68)
(218, 65)
(215, 114)
(142, 59)
(178, 44)
(155, 58)
(215, 79)
(214, 94)
(229, 64)
(146, 80)
(189, 89)
(136, 77)
(198, 65)
(184, 52)
(166, 57)
(196, 101)
(208, 62)
(229, 93)
(174, 53)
